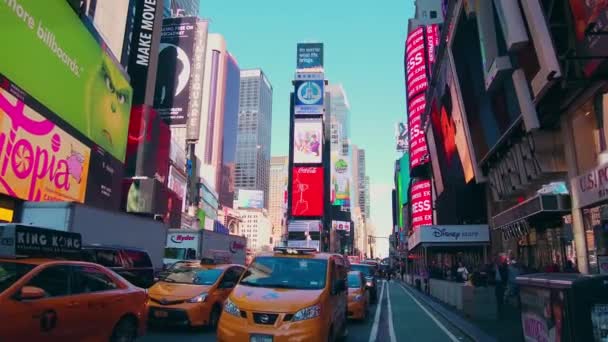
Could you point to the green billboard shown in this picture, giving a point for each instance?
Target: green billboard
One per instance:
(49, 53)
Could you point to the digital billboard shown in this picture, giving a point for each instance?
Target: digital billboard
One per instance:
(308, 141)
(309, 97)
(175, 69)
(38, 160)
(310, 55)
(340, 180)
(416, 63)
(249, 199)
(421, 201)
(590, 17)
(402, 137)
(419, 153)
(340, 225)
(307, 197)
(432, 42)
(178, 183)
(304, 244)
(304, 226)
(56, 60)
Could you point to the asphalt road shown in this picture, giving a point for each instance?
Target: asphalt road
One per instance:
(410, 321)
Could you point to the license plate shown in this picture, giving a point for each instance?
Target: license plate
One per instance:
(161, 314)
(260, 338)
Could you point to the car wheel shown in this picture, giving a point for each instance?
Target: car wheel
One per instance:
(125, 330)
(214, 317)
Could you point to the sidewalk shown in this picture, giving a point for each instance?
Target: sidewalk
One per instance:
(508, 328)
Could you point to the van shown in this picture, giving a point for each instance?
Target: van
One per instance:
(131, 263)
(292, 294)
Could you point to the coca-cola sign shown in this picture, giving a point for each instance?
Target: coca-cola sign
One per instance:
(308, 170)
(307, 197)
(179, 238)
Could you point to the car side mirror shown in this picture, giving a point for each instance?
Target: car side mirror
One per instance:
(31, 293)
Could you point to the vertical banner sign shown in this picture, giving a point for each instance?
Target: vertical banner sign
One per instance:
(193, 126)
(416, 75)
(432, 41)
(419, 153)
(422, 210)
(307, 191)
(172, 94)
(401, 137)
(143, 50)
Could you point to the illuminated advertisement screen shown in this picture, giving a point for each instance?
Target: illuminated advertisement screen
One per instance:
(250, 199)
(308, 142)
(422, 209)
(307, 191)
(304, 226)
(340, 180)
(432, 41)
(418, 148)
(592, 16)
(340, 225)
(309, 97)
(415, 60)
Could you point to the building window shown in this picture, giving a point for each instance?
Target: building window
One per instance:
(433, 14)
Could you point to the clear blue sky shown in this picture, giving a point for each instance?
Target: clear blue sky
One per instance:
(364, 44)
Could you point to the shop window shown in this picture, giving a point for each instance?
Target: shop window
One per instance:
(586, 133)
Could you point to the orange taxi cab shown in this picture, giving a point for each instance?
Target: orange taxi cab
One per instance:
(46, 299)
(292, 294)
(192, 293)
(358, 300)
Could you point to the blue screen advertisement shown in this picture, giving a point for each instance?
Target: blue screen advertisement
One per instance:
(309, 97)
(310, 55)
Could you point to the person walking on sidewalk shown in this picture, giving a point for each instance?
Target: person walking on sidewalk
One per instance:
(402, 270)
(501, 277)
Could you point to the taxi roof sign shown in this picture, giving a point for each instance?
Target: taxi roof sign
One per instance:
(18, 240)
(295, 250)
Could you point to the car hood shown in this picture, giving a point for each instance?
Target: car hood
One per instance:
(172, 291)
(273, 300)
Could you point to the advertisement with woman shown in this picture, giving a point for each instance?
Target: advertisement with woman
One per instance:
(542, 314)
(307, 142)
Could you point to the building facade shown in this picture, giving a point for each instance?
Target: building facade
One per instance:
(231, 116)
(257, 228)
(181, 8)
(213, 105)
(252, 171)
(279, 167)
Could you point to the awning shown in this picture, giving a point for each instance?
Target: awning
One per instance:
(453, 235)
(514, 221)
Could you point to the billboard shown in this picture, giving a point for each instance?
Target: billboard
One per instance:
(421, 199)
(178, 183)
(340, 225)
(175, 69)
(56, 60)
(416, 63)
(419, 153)
(304, 226)
(310, 55)
(590, 20)
(340, 180)
(304, 243)
(401, 137)
(193, 127)
(38, 160)
(307, 197)
(308, 141)
(250, 199)
(432, 42)
(309, 97)
(145, 196)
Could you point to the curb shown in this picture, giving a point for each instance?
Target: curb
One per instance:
(466, 327)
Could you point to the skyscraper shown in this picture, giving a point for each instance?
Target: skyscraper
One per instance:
(231, 118)
(363, 186)
(279, 167)
(340, 119)
(254, 126)
(209, 146)
(180, 8)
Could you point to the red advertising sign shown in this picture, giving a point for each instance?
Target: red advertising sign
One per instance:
(418, 150)
(422, 209)
(415, 61)
(432, 41)
(307, 191)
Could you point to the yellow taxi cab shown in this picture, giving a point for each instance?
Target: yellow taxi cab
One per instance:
(358, 299)
(44, 299)
(192, 293)
(292, 294)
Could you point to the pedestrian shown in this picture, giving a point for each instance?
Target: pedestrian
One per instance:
(402, 270)
(512, 286)
(570, 268)
(501, 276)
(463, 273)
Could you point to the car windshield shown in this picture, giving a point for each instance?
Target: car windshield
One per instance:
(183, 274)
(354, 280)
(10, 272)
(175, 253)
(367, 271)
(289, 273)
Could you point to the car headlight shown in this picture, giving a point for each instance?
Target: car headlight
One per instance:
(231, 308)
(307, 313)
(358, 298)
(198, 299)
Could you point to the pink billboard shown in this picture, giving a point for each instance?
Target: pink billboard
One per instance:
(419, 153)
(422, 208)
(415, 61)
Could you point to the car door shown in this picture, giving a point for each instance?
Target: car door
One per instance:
(52, 318)
(98, 293)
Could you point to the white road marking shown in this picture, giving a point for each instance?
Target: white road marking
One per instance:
(374, 333)
(445, 330)
(391, 328)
